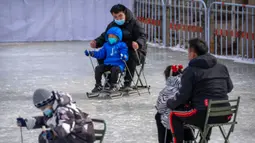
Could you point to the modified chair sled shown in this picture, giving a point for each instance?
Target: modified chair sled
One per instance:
(105, 93)
(138, 85)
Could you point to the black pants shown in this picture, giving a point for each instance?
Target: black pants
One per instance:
(162, 130)
(192, 117)
(132, 62)
(188, 134)
(100, 69)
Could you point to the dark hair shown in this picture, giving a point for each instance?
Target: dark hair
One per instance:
(199, 46)
(118, 8)
(168, 71)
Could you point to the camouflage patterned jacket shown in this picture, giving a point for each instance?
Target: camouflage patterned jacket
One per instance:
(68, 122)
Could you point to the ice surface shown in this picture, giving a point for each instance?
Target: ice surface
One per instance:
(63, 66)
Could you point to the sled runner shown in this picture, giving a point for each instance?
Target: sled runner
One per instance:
(105, 93)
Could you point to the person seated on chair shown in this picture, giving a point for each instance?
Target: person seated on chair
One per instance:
(133, 35)
(173, 83)
(202, 80)
(115, 54)
(65, 121)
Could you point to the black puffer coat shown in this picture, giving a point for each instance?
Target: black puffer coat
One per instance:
(202, 80)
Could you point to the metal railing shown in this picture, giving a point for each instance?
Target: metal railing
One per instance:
(187, 19)
(228, 28)
(231, 30)
(152, 14)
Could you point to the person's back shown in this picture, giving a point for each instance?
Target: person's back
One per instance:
(202, 80)
(211, 81)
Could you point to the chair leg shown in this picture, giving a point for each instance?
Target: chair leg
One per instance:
(119, 80)
(224, 134)
(138, 78)
(145, 80)
(230, 130)
(165, 136)
(196, 135)
(106, 80)
(203, 136)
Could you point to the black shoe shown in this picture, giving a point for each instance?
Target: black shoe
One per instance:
(114, 88)
(97, 88)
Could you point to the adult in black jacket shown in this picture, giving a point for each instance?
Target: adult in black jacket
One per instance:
(133, 35)
(202, 80)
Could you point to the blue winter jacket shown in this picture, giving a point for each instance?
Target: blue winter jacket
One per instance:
(111, 53)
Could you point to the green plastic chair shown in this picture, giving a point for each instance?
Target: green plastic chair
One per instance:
(99, 133)
(214, 111)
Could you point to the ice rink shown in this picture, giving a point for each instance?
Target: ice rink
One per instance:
(63, 66)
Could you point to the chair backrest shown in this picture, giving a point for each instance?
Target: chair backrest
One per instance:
(214, 109)
(99, 133)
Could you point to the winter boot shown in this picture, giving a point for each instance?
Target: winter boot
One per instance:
(127, 87)
(98, 88)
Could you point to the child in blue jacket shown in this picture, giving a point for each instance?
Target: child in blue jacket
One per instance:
(114, 52)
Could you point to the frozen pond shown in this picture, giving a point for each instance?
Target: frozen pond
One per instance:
(63, 66)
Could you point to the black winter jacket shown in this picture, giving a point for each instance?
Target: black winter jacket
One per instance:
(202, 80)
(132, 31)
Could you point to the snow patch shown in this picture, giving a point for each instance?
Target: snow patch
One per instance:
(155, 45)
(236, 59)
(181, 48)
(178, 47)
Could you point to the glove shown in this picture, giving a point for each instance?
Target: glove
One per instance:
(88, 53)
(123, 57)
(48, 134)
(21, 122)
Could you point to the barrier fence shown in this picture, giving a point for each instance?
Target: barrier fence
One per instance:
(151, 14)
(186, 19)
(231, 29)
(228, 28)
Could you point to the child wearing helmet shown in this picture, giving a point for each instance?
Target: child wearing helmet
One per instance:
(115, 53)
(172, 75)
(65, 122)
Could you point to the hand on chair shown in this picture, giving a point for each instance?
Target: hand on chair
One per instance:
(123, 57)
